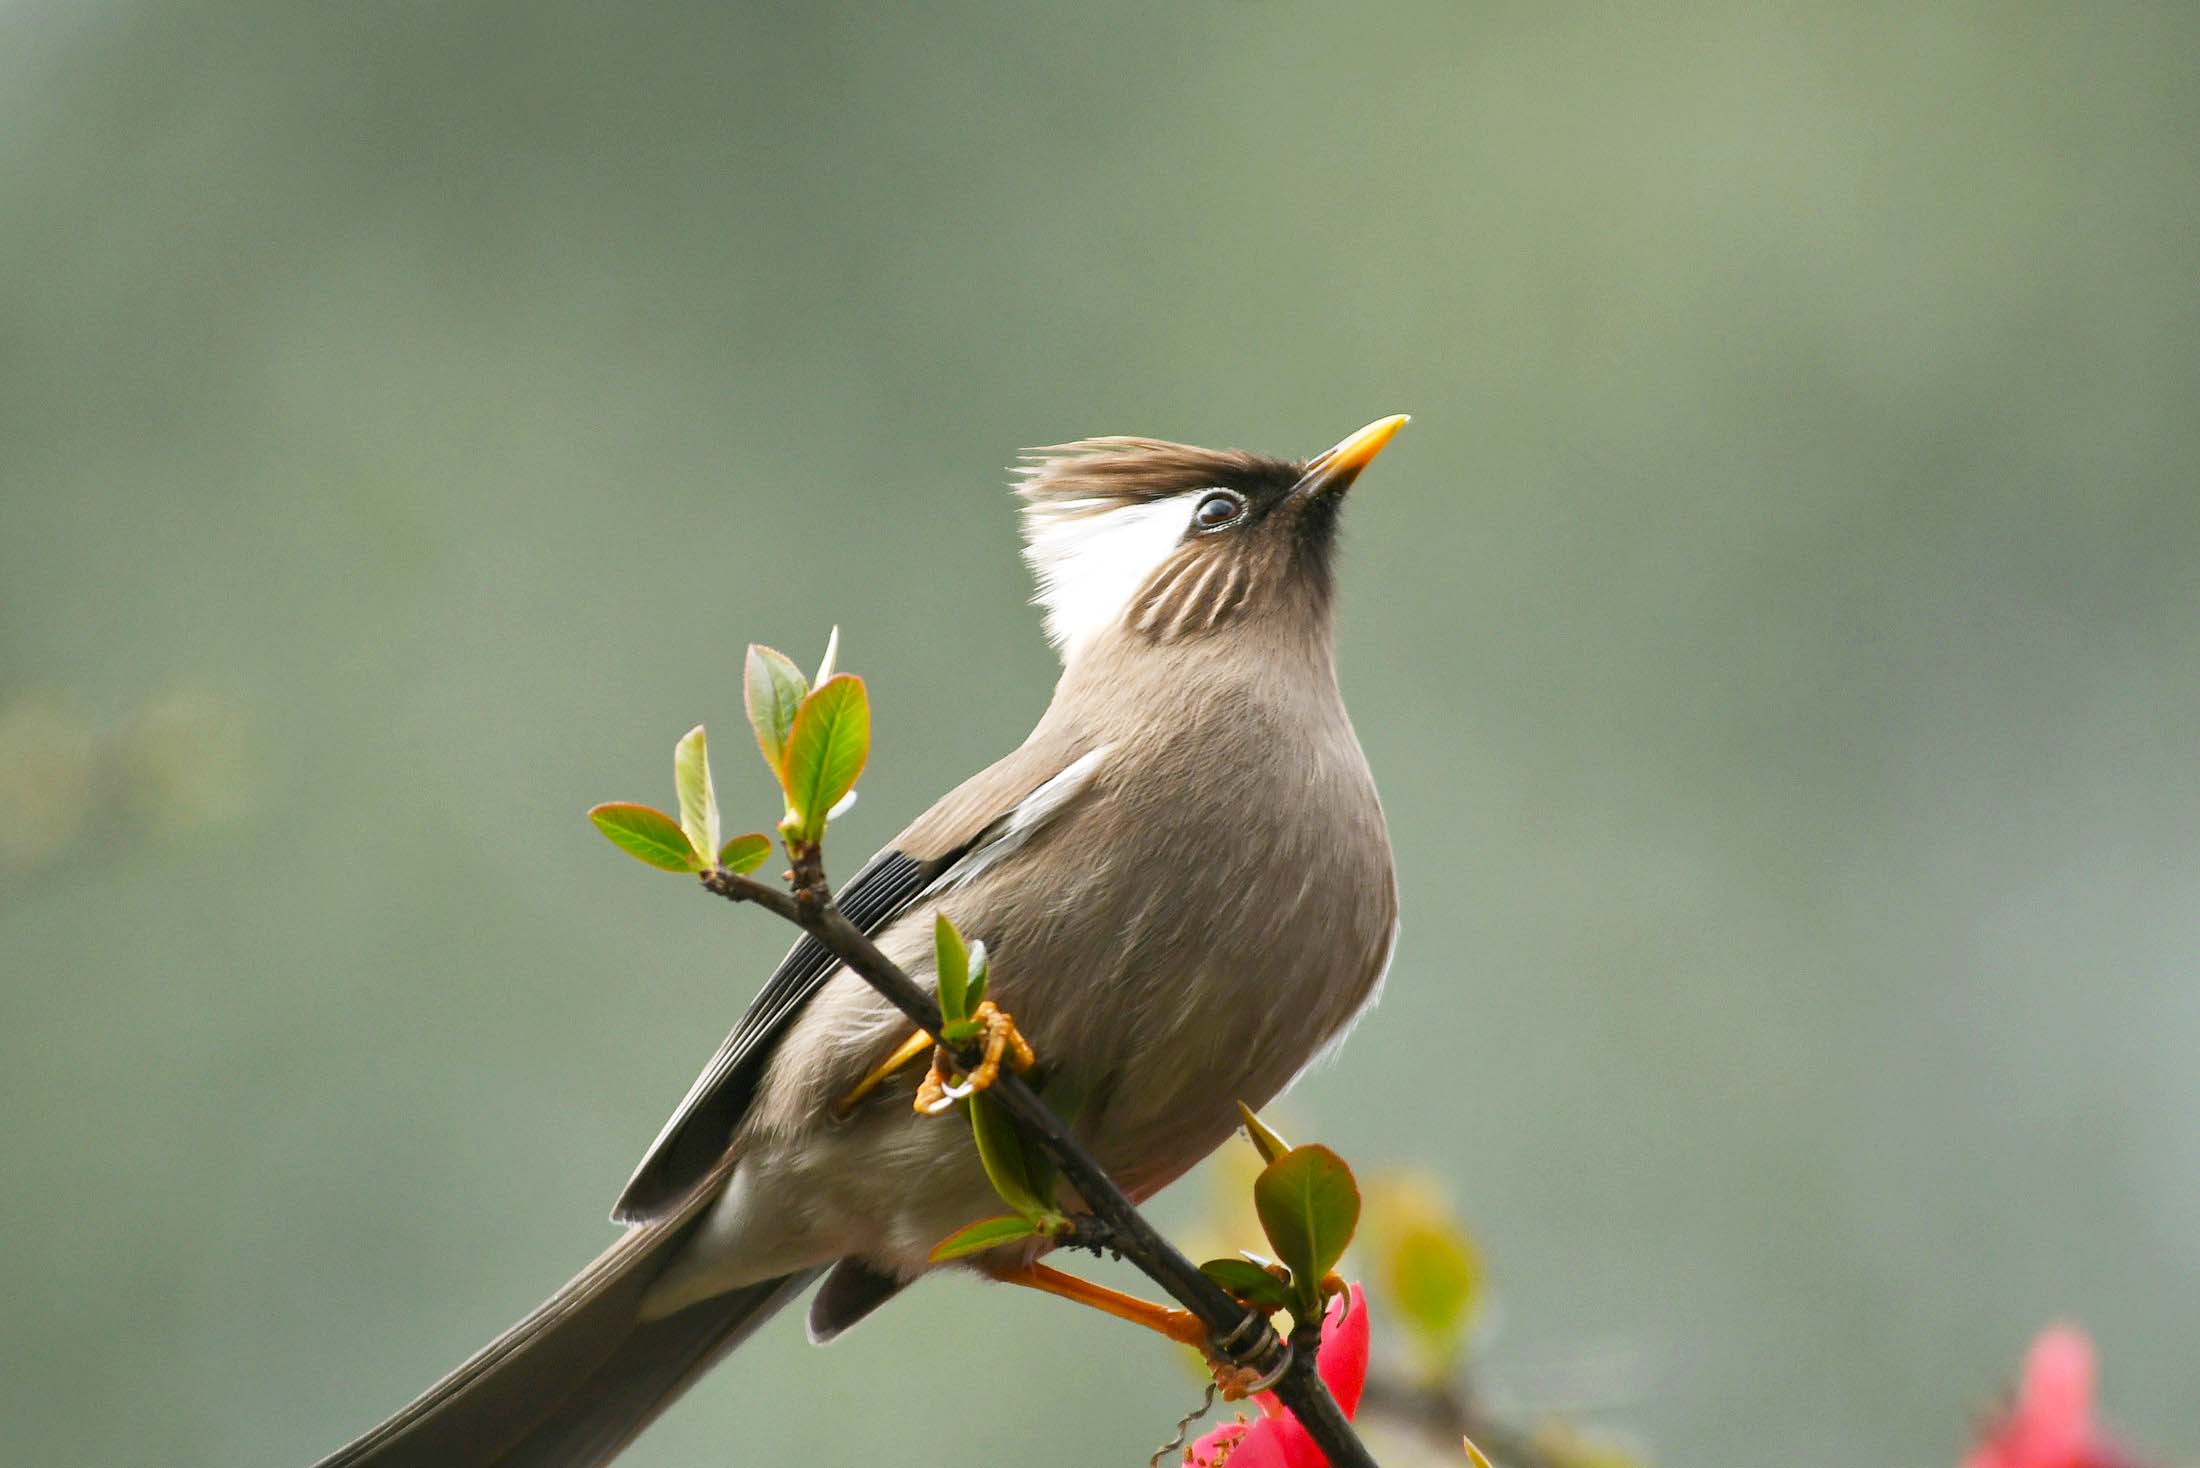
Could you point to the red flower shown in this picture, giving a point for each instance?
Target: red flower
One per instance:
(1276, 1440)
(2050, 1424)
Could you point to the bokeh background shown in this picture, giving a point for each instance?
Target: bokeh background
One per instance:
(1776, 640)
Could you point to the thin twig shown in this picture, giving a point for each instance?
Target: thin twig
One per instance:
(1183, 1428)
(1239, 1335)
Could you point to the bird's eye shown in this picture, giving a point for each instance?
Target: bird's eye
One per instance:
(1218, 510)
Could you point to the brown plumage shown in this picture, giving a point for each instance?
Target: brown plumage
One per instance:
(1184, 879)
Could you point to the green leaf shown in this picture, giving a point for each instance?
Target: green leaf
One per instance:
(744, 854)
(1265, 1140)
(826, 749)
(1308, 1205)
(647, 835)
(951, 960)
(698, 802)
(1433, 1278)
(986, 1233)
(832, 656)
(773, 688)
(1249, 1282)
(981, 969)
(1020, 1171)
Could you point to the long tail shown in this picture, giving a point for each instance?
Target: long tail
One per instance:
(574, 1382)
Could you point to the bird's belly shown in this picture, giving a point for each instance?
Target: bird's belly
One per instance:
(1227, 1027)
(1166, 1006)
(1164, 1051)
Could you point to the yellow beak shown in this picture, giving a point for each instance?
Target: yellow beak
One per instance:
(1334, 471)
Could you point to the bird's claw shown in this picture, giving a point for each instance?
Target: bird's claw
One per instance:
(1004, 1045)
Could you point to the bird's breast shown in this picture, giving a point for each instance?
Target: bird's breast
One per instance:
(1218, 907)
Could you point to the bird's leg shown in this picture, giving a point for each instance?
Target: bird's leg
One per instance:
(1178, 1325)
(1004, 1044)
(905, 1052)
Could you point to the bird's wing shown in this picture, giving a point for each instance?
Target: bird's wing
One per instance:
(988, 815)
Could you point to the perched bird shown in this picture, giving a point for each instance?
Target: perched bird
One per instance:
(1185, 882)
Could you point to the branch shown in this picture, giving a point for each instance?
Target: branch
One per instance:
(1240, 1335)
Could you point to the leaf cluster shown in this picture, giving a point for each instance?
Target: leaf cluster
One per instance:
(1309, 1207)
(815, 741)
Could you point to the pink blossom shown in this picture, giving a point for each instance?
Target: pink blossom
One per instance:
(2050, 1424)
(1275, 1439)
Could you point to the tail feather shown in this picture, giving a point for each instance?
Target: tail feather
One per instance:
(647, 1374)
(575, 1381)
(851, 1291)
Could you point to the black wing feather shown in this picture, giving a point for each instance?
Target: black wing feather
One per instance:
(692, 1143)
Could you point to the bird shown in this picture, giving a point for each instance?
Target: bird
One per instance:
(1185, 881)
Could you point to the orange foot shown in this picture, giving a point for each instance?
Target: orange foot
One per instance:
(1003, 1045)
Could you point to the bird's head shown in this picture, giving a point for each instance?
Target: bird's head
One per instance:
(1165, 542)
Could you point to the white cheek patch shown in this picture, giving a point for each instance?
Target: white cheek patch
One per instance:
(1089, 563)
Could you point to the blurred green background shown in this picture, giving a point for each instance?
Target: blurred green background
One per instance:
(1776, 640)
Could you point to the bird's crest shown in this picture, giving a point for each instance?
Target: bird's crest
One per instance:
(1101, 514)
